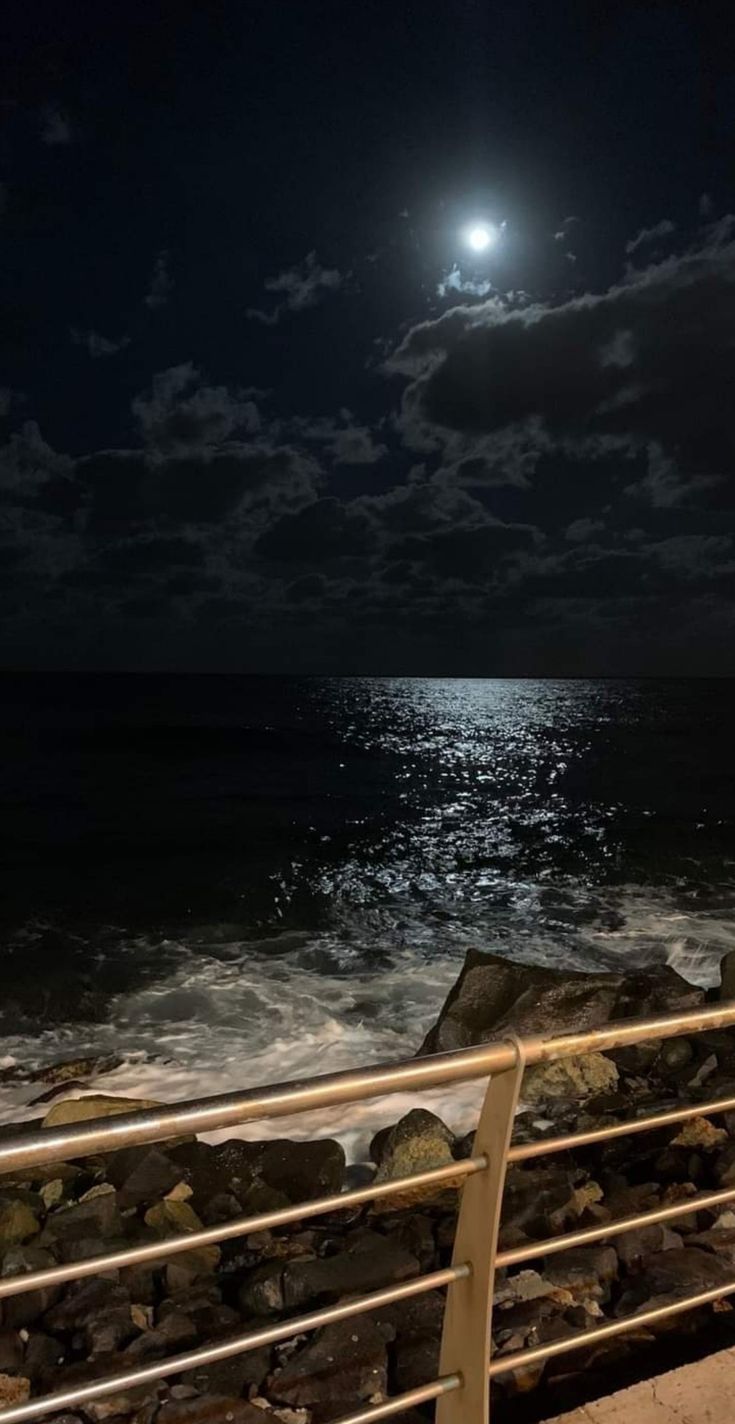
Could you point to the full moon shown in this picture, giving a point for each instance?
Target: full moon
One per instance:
(481, 236)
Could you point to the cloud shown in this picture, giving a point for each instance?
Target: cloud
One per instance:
(98, 346)
(566, 228)
(303, 286)
(181, 415)
(55, 129)
(454, 282)
(343, 441)
(643, 371)
(649, 235)
(161, 283)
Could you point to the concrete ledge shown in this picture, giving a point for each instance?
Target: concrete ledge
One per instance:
(701, 1393)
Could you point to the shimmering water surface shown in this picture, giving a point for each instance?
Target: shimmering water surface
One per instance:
(229, 880)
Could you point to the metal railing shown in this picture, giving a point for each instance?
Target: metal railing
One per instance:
(462, 1389)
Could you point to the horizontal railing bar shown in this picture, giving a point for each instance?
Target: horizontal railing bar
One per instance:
(337, 1089)
(401, 1402)
(523, 1151)
(276, 1100)
(226, 1349)
(227, 1231)
(589, 1234)
(536, 1353)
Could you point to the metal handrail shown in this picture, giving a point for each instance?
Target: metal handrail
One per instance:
(462, 1388)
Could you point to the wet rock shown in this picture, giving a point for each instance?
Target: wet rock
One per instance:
(531, 1194)
(232, 1377)
(44, 1357)
(345, 1365)
(570, 1078)
(74, 1068)
(17, 1223)
(727, 976)
(717, 1240)
(84, 1300)
(21, 1310)
(96, 1219)
(419, 1142)
(634, 1246)
(14, 1389)
(586, 1272)
(370, 1261)
(93, 1106)
(11, 1351)
(210, 1409)
(302, 1171)
(675, 1054)
(176, 1332)
(671, 1275)
(492, 994)
(142, 1175)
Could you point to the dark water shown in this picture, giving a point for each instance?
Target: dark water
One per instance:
(258, 877)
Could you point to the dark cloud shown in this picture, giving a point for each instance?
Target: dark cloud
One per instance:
(161, 283)
(302, 287)
(644, 368)
(98, 346)
(649, 235)
(319, 533)
(180, 414)
(55, 129)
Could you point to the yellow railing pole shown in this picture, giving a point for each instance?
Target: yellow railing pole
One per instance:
(465, 1347)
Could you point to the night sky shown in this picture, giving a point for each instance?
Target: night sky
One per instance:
(263, 406)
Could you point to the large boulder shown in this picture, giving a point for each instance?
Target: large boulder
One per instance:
(93, 1106)
(494, 995)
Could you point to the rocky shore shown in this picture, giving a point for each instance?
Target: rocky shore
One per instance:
(53, 1338)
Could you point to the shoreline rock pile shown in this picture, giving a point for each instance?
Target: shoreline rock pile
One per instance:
(55, 1337)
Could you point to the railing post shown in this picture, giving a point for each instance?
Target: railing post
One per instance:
(465, 1348)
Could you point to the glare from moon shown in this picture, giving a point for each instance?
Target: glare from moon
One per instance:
(481, 236)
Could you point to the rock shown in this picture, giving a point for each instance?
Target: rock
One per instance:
(73, 1068)
(671, 1275)
(170, 1218)
(52, 1193)
(84, 1301)
(701, 1134)
(727, 976)
(635, 1246)
(97, 1219)
(174, 1333)
(108, 1330)
(21, 1310)
(43, 1359)
(236, 1376)
(343, 1366)
(303, 1171)
(417, 1143)
(210, 1409)
(17, 1224)
(11, 1351)
(14, 1389)
(143, 1175)
(492, 994)
(370, 1261)
(93, 1106)
(569, 1078)
(718, 1240)
(584, 1271)
(675, 1054)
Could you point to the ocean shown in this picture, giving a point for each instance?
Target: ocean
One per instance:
(225, 881)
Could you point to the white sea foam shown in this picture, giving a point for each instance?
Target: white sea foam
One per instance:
(294, 1006)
